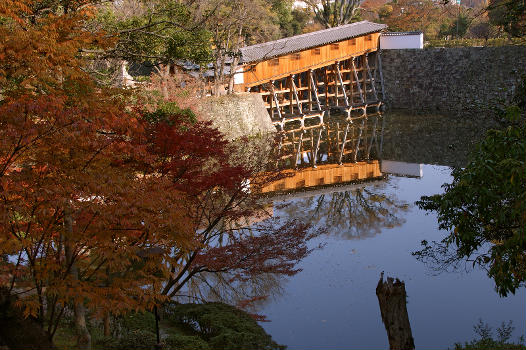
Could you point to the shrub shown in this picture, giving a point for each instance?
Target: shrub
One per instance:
(222, 326)
(486, 341)
(185, 342)
(133, 340)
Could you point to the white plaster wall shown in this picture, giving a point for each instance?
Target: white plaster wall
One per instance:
(410, 41)
(238, 76)
(402, 168)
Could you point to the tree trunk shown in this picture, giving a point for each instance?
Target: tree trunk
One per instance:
(83, 335)
(231, 80)
(107, 314)
(107, 326)
(392, 299)
(235, 61)
(164, 74)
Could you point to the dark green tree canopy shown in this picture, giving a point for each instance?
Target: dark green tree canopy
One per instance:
(510, 15)
(484, 208)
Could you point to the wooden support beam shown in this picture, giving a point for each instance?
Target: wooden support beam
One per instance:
(309, 91)
(310, 154)
(360, 133)
(371, 79)
(375, 74)
(271, 100)
(379, 68)
(327, 103)
(381, 146)
(314, 89)
(280, 146)
(317, 147)
(335, 85)
(364, 78)
(344, 141)
(372, 139)
(337, 65)
(289, 94)
(277, 104)
(357, 81)
(298, 104)
(351, 83)
(298, 153)
(337, 135)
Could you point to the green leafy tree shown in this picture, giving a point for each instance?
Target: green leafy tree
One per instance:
(484, 208)
(158, 31)
(334, 13)
(291, 20)
(510, 15)
(456, 28)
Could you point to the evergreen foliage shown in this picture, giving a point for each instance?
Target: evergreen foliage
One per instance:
(484, 208)
(222, 326)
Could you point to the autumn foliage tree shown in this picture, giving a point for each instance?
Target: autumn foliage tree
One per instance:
(106, 207)
(234, 235)
(64, 185)
(411, 15)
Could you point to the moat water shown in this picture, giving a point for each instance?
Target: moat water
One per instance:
(374, 228)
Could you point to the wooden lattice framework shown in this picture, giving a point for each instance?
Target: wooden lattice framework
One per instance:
(355, 139)
(353, 87)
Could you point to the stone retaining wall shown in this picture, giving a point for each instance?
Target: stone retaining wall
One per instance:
(465, 80)
(238, 115)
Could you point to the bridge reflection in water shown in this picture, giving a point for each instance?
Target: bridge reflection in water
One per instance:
(334, 178)
(342, 150)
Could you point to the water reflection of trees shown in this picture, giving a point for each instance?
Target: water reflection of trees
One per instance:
(244, 265)
(251, 294)
(352, 214)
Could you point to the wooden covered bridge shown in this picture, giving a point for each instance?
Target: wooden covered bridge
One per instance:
(305, 77)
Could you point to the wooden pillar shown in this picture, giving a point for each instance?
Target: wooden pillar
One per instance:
(326, 88)
(339, 75)
(351, 82)
(315, 89)
(295, 91)
(317, 148)
(357, 81)
(357, 148)
(278, 108)
(298, 153)
(364, 78)
(372, 139)
(392, 299)
(309, 90)
(371, 79)
(379, 68)
(344, 141)
(270, 102)
(336, 102)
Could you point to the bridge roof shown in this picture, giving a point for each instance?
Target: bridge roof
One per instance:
(265, 51)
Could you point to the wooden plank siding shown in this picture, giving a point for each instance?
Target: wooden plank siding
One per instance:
(282, 66)
(327, 174)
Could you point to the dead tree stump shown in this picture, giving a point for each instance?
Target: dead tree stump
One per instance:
(392, 299)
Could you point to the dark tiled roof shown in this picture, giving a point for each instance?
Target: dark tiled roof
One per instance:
(301, 42)
(400, 33)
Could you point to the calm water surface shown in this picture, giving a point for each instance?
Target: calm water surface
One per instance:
(331, 303)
